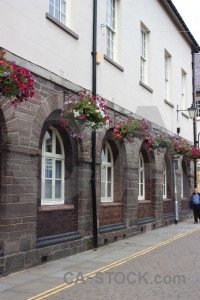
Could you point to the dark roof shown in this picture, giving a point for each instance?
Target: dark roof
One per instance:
(172, 10)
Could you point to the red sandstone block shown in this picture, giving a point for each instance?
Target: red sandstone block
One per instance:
(19, 227)
(6, 180)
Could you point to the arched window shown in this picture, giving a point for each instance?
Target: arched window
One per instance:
(164, 181)
(52, 168)
(107, 174)
(141, 180)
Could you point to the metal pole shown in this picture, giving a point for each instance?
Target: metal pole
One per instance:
(93, 179)
(175, 192)
(195, 160)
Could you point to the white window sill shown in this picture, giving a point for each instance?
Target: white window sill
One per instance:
(185, 115)
(167, 200)
(140, 201)
(146, 86)
(113, 63)
(45, 207)
(106, 204)
(169, 103)
(62, 26)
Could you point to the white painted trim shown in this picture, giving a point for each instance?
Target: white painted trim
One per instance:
(110, 165)
(141, 169)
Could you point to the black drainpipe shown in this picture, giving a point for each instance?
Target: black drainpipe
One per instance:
(93, 179)
(194, 119)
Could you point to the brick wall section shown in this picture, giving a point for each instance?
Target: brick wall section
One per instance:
(18, 201)
(56, 222)
(110, 214)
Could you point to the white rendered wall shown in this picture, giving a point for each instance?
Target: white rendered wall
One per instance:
(26, 32)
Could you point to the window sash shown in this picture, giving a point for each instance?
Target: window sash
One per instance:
(52, 174)
(183, 91)
(167, 81)
(198, 108)
(58, 8)
(143, 70)
(143, 48)
(111, 28)
(141, 179)
(111, 14)
(110, 43)
(143, 55)
(107, 170)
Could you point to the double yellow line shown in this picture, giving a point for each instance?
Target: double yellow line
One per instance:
(65, 286)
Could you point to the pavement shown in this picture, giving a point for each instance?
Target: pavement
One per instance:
(48, 279)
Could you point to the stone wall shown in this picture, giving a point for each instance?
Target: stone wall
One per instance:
(31, 233)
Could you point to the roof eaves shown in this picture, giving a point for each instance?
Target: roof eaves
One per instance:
(172, 10)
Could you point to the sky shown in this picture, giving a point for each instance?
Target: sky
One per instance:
(190, 12)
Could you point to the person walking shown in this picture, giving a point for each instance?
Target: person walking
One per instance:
(195, 200)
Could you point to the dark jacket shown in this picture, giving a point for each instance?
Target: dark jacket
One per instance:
(191, 200)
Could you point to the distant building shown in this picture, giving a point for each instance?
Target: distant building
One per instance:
(145, 69)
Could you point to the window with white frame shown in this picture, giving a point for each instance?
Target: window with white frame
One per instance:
(111, 18)
(167, 76)
(52, 168)
(198, 108)
(141, 179)
(144, 36)
(58, 10)
(183, 89)
(164, 181)
(107, 171)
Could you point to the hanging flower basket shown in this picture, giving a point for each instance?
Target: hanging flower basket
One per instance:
(16, 83)
(84, 111)
(130, 129)
(156, 140)
(159, 140)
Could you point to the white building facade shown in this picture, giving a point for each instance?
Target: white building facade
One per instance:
(145, 69)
